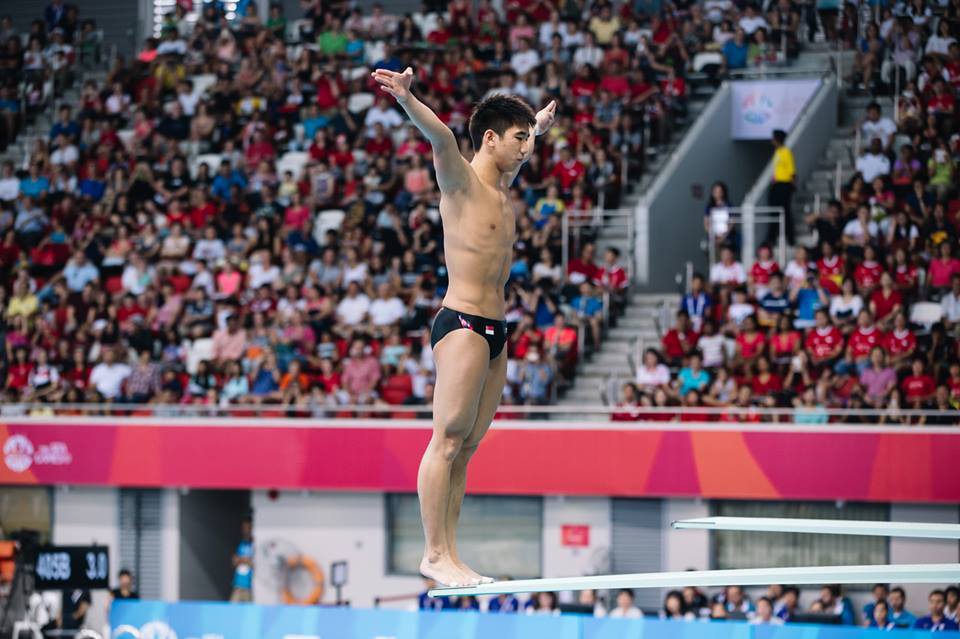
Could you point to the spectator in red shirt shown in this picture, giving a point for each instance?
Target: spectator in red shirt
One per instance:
(583, 268)
(568, 171)
(765, 383)
(901, 343)
(830, 268)
(868, 272)
(761, 272)
(751, 343)
(680, 340)
(612, 278)
(861, 341)
(943, 268)
(886, 301)
(824, 342)
(918, 387)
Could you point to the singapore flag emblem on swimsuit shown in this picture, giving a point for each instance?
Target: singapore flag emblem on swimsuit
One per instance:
(488, 330)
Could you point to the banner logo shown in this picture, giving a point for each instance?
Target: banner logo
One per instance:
(20, 454)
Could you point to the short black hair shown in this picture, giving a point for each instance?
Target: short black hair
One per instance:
(780, 136)
(498, 113)
(899, 591)
(626, 591)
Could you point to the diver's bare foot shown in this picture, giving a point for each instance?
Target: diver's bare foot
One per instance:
(445, 572)
(473, 574)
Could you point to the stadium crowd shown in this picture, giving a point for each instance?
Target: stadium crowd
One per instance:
(236, 215)
(866, 313)
(886, 610)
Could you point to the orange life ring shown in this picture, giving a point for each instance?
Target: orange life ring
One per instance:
(302, 562)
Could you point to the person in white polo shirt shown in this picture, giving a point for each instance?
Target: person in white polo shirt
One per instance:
(108, 376)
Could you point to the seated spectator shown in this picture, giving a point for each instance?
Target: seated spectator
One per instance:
(824, 343)
(764, 614)
(588, 307)
(625, 608)
(936, 621)
(536, 377)
(918, 387)
(696, 303)
(735, 600)
(692, 376)
(108, 376)
(899, 615)
(807, 300)
(831, 602)
(727, 271)
(774, 304)
(652, 374)
(873, 162)
(674, 607)
(680, 340)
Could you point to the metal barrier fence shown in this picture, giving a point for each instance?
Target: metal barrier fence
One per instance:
(587, 413)
(739, 225)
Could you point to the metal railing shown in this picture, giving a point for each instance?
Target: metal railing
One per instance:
(575, 224)
(746, 218)
(272, 415)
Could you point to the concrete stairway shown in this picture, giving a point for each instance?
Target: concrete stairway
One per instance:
(842, 148)
(612, 362)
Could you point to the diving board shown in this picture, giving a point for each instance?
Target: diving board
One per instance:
(901, 574)
(822, 526)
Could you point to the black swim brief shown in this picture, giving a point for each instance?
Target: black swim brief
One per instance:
(494, 331)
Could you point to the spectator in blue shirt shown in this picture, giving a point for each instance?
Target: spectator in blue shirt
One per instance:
(807, 300)
(35, 184)
(899, 615)
(735, 51)
(880, 593)
(936, 621)
(504, 604)
(226, 178)
(426, 602)
(693, 376)
(834, 603)
(313, 122)
(696, 303)
(774, 303)
(65, 126)
(588, 307)
(879, 616)
(536, 375)
(79, 272)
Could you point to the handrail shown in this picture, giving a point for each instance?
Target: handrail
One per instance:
(393, 598)
(22, 410)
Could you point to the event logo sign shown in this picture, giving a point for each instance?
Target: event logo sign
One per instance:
(19, 454)
(760, 107)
